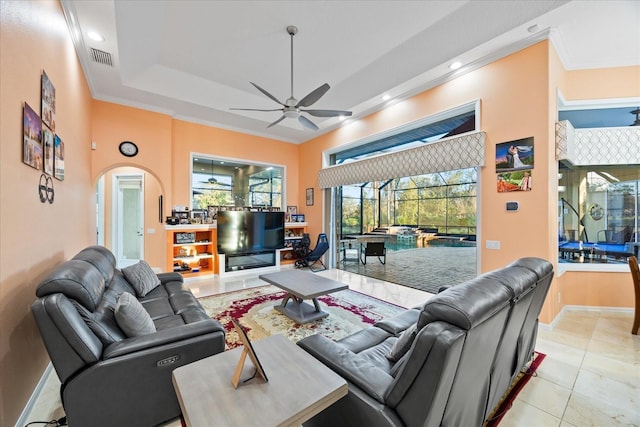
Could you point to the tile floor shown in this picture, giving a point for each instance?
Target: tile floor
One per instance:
(590, 377)
(427, 268)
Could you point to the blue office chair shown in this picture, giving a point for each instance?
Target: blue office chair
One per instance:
(315, 256)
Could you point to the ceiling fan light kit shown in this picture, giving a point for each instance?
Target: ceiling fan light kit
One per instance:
(291, 108)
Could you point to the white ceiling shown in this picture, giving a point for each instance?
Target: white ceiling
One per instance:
(193, 60)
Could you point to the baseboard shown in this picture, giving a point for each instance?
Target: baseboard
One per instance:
(567, 308)
(23, 420)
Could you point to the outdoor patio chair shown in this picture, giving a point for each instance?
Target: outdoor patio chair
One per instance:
(373, 249)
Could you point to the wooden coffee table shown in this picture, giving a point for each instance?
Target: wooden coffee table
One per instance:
(299, 387)
(301, 285)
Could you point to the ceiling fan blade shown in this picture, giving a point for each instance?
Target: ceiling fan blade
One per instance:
(327, 113)
(254, 109)
(276, 122)
(267, 94)
(313, 96)
(307, 123)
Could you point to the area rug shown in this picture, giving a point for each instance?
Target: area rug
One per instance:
(349, 311)
(516, 387)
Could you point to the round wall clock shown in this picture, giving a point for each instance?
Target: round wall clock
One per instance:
(596, 212)
(128, 148)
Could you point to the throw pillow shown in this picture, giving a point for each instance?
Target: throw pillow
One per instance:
(131, 316)
(141, 277)
(403, 343)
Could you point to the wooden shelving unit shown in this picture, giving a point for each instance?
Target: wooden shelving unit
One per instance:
(293, 232)
(191, 250)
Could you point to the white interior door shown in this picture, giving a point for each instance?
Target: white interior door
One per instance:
(128, 218)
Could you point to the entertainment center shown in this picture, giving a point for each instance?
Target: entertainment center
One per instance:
(191, 249)
(237, 241)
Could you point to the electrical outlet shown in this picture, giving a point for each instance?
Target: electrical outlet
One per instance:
(492, 244)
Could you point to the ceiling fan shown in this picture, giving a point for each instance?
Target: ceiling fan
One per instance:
(292, 108)
(211, 179)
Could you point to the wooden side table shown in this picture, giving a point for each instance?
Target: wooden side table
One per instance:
(299, 387)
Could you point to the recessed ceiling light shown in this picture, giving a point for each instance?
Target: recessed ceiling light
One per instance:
(95, 36)
(386, 97)
(455, 65)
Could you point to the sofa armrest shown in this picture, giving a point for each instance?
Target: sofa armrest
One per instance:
(165, 336)
(170, 277)
(135, 389)
(395, 325)
(355, 369)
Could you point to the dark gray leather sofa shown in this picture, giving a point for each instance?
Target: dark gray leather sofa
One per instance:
(109, 379)
(472, 340)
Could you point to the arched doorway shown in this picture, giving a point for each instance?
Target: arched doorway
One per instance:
(130, 217)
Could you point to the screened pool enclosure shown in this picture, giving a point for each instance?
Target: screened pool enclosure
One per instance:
(444, 202)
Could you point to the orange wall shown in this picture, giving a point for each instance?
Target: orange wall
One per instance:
(34, 236)
(113, 123)
(165, 146)
(622, 82)
(195, 138)
(518, 99)
(605, 289)
(596, 289)
(513, 93)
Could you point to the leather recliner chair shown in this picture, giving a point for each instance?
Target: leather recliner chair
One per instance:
(469, 340)
(109, 379)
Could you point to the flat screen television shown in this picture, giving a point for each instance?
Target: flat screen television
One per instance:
(244, 232)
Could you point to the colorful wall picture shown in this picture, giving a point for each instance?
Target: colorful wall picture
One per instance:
(58, 154)
(32, 138)
(309, 196)
(514, 181)
(48, 102)
(47, 138)
(514, 155)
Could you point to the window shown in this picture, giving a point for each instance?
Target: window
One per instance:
(217, 182)
(443, 200)
(446, 201)
(599, 206)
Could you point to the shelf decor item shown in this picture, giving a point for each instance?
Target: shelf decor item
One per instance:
(185, 238)
(291, 211)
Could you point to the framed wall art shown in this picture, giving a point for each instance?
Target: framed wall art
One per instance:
(514, 181)
(291, 210)
(48, 143)
(58, 161)
(32, 138)
(48, 110)
(309, 196)
(514, 155)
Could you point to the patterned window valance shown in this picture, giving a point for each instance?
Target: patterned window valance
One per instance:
(456, 152)
(597, 146)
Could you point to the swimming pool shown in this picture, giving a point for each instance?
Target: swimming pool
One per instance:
(450, 242)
